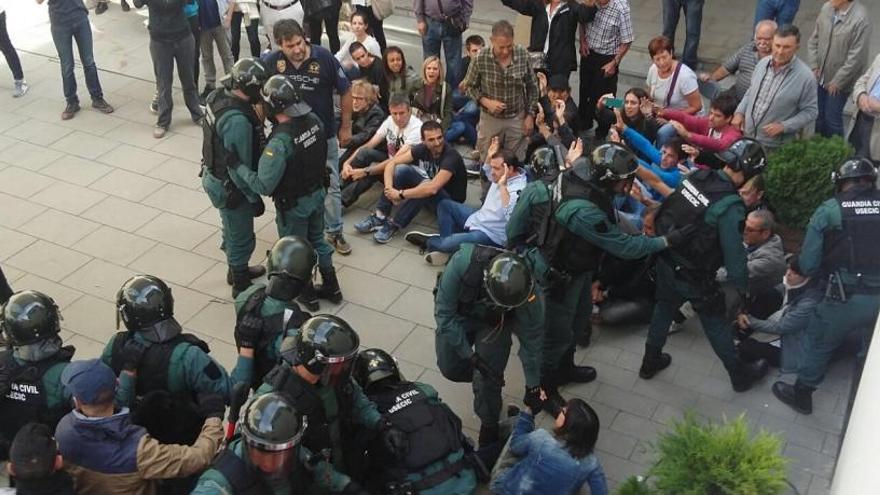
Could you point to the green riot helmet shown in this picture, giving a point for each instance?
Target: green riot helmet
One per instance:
(326, 346)
(854, 168)
(29, 317)
(248, 75)
(373, 365)
(611, 162)
(271, 425)
(143, 301)
(508, 281)
(281, 96)
(745, 155)
(292, 256)
(544, 161)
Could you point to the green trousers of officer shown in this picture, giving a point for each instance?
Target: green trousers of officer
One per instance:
(239, 240)
(832, 322)
(565, 311)
(306, 219)
(672, 292)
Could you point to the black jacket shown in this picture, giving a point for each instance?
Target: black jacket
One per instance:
(167, 19)
(561, 54)
(365, 124)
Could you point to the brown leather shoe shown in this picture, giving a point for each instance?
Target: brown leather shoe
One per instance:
(69, 111)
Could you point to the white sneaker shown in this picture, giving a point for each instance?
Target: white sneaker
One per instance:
(21, 88)
(437, 258)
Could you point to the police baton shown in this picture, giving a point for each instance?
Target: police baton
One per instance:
(483, 367)
(239, 395)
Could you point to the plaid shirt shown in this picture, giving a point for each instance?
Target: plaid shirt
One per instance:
(611, 28)
(767, 89)
(516, 86)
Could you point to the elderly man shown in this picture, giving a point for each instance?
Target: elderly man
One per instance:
(501, 81)
(838, 54)
(741, 64)
(865, 136)
(782, 97)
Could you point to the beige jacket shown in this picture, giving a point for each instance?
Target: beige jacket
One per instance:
(840, 51)
(863, 85)
(155, 461)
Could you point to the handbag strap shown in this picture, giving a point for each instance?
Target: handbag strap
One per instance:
(672, 84)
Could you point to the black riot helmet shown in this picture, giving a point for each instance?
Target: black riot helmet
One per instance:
(508, 280)
(29, 317)
(271, 424)
(143, 301)
(745, 155)
(854, 168)
(373, 365)
(611, 162)
(544, 161)
(248, 75)
(326, 346)
(292, 256)
(281, 96)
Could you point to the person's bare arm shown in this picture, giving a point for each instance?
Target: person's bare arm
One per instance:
(386, 168)
(429, 188)
(345, 118)
(695, 103)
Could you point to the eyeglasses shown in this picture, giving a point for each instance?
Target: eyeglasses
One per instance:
(353, 97)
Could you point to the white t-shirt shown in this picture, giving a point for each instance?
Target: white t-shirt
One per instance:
(344, 56)
(396, 137)
(685, 85)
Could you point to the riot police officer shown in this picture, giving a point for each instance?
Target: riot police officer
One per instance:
(315, 372)
(483, 296)
(154, 358)
(434, 462)
(233, 136)
(30, 369)
(292, 171)
(269, 309)
(840, 246)
(564, 225)
(265, 457)
(708, 200)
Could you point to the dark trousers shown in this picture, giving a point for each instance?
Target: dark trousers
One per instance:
(353, 189)
(593, 85)
(253, 37)
(329, 18)
(693, 20)
(165, 54)
(374, 24)
(64, 35)
(9, 50)
(5, 289)
(860, 137)
(196, 31)
(405, 177)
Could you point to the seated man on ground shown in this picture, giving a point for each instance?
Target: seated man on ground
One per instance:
(460, 223)
(711, 134)
(465, 112)
(666, 163)
(417, 176)
(560, 113)
(366, 165)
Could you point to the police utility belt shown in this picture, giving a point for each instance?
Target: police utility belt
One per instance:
(428, 481)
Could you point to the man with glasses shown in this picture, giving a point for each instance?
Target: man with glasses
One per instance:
(741, 64)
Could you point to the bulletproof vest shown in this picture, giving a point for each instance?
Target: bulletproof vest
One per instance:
(306, 167)
(244, 478)
(153, 371)
(701, 256)
(854, 247)
(273, 326)
(318, 437)
(215, 156)
(473, 301)
(432, 430)
(23, 398)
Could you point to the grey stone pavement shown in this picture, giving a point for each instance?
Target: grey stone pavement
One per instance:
(84, 204)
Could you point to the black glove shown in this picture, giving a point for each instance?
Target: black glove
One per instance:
(353, 488)
(259, 207)
(212, 405)
(248, 330)
(396, 442)
(132, 353)
(533, 400)
(679, 236)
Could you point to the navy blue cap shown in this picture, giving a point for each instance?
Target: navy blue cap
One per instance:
(89, 380)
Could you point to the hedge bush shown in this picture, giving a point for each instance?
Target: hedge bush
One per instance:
(798, 176)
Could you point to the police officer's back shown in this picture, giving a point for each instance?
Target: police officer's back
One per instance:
(30, 369)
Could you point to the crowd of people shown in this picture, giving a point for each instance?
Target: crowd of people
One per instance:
(649, 207)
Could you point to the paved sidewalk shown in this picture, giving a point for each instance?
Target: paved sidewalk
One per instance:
(86, 203)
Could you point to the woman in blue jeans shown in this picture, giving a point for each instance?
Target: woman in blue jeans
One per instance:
(557, 462)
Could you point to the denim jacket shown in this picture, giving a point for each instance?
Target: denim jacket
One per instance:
(545, 466)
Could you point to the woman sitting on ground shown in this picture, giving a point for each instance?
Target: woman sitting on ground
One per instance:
(636, 114)
(431, 97)
(400, 76)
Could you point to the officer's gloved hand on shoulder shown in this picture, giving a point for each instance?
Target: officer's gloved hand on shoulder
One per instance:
(212, 405)
(353, 488)
(394, 440)
(677, 237)
(248, 330)
(132, 353)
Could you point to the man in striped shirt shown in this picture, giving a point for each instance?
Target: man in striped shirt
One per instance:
(741, 64)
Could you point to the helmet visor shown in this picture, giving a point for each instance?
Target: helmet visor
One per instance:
(274, 465)
(335, 370)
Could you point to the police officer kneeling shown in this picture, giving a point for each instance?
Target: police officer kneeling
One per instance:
(30, 370)
(265, 456)
(707, 199)
(431, 458)
(841, 246)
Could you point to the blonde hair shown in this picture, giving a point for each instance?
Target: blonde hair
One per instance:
(371, 93)
(433, 58)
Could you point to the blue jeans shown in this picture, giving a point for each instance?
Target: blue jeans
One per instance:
(693, 19)
(405, 177)
(333, 201)
(443, 32)
(63, 36)
(781, 11)
(464, 123)
(830, 120)
(451, 217)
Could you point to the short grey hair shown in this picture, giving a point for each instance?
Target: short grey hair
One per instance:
(766, 219)
(767, 23)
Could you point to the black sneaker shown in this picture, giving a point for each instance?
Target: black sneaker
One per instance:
(101, 8)
(69, 111)
(419, 239)
(124, 5)
(101, 105)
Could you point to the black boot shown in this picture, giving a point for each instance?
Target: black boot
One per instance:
(744, 375)
(252, 272)
(798, 396)
(654, 362)
(568, 372)
(309, 298)
(554, 402)
(240, 280)
(329, 288)
(490, 444)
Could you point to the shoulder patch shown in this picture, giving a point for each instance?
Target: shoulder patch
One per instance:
(212, 371)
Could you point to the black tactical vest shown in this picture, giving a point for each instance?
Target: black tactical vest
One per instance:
(215, 156)
(701, 256)
(306, 167)
(153, 370)
(855, 248)
(244, 478)
(23, 398)
(473, 301)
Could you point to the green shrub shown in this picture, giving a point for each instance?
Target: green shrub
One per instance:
(798, 176)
